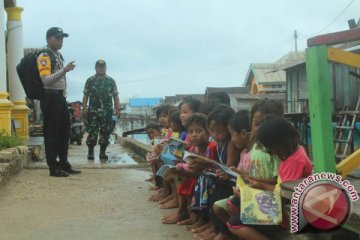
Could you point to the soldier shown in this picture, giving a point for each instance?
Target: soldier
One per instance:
(100, 90)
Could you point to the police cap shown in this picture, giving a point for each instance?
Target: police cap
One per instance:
(55, 32)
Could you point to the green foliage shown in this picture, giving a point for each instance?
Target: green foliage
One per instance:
(7, 141)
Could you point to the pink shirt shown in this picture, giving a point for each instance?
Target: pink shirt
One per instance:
(244, 163)
(295, 166)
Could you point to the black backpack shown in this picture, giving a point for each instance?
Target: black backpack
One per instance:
(29, 74)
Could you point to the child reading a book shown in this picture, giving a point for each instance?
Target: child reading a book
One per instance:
(179, 131)
(176, 125)
(239, 128)
(264, 164)
(199, 144)
(162, 114)
(279, 138)
(188, 107)
(228, 155)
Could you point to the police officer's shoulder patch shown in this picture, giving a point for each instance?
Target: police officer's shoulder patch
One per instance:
(44, 64)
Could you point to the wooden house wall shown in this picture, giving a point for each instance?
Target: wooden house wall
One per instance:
(345, 88)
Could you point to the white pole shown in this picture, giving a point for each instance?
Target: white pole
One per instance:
(3, 87)
(15, 52)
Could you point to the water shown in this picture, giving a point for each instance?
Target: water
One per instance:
(140, 137)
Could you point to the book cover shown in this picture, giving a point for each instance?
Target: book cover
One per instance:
(172, 150)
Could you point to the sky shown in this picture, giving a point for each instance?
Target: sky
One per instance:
(158, 48)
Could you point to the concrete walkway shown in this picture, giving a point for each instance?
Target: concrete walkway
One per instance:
(106, 201)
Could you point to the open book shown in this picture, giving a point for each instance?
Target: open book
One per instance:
(189, 155)
(173, 149)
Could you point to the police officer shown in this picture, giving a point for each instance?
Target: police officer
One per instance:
(101, 91)
(53, 104)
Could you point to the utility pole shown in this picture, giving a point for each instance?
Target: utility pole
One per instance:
(295, 38)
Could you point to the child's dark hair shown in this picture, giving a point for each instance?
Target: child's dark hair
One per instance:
(221, 115)
(267, 106)
(276, 133)
(197, 119)
(175, 118)
(153, 126)
(192, 102)
(213, 100)
(163, 109)
(217, 98)
(240, 120)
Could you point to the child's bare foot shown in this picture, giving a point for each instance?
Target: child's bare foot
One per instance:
(195, 225)
(168, 216)
(153, 188)
(201, 228)
(162, 193)
(193, 219)
(168, 198)
(211, 236)
(221, 236)
(174, 218)
(150, 179)
(173, 203)
(207, 234)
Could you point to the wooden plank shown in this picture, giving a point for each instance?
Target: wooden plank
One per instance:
(343, 57)
(349, 164)
(319, 86)
(335, 38)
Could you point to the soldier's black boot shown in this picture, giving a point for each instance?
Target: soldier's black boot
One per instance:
(103, 156)
(90, 155)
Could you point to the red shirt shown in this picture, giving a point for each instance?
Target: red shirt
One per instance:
(210, 151)
(295, 166)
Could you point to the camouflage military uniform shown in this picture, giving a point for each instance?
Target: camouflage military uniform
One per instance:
(100, 90)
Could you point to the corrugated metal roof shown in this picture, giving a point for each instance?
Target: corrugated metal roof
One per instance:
(275, 96)
(268, 73)
(273, 72)
(228, 90)
(291, 57)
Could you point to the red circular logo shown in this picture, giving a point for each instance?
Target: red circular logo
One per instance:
(325, 206)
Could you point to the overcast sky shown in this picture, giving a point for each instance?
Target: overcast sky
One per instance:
(156, 48)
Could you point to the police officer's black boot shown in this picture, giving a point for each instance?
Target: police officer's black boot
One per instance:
(103, 156)
(90, 155)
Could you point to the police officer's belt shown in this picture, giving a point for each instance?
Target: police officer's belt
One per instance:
(54, 91)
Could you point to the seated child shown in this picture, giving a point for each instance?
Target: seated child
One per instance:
(162, 114)
(213, 187)
(239, 128)
(153, 131)
(199, 141)
(188, 107)
(279, 138)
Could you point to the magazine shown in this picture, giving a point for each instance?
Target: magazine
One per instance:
(173, 149)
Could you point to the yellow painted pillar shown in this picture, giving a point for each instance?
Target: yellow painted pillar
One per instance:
(15, 52)
(5, 104)
(5, 113)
